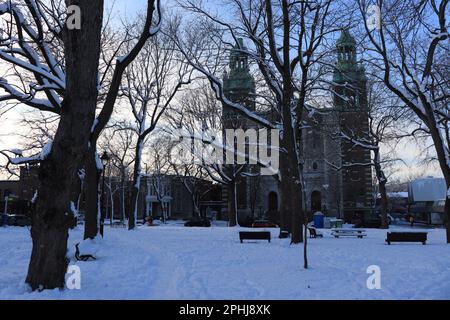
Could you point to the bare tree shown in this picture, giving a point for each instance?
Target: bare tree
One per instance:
(118, 143)
(64, 82)
(194, 178)
(409, 47)
(150, 85)
(157, 172)
(197, 122)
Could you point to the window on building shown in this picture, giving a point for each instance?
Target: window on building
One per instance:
(315, 166)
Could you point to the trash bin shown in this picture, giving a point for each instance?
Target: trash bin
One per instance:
(318, 220)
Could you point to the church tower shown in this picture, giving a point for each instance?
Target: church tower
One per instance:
(239, 87)
(350, 102)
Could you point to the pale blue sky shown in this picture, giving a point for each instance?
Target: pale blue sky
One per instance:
(127, 6)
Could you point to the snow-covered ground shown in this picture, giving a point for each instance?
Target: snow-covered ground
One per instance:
(174, 262)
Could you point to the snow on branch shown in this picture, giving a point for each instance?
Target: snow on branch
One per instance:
(217, 86)
(26, 47)
(15, 156)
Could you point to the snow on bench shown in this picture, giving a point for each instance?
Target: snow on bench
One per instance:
(341, 232)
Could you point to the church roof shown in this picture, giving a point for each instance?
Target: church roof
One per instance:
(239, 78)
(347, 67)
(346, 39)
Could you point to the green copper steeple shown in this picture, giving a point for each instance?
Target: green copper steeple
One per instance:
(349, 76)
(347, 67)
(239, 85)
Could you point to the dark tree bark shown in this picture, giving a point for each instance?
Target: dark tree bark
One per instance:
(444, 164)
(136, 185)
(91, 227)
(383, 194)
(59, 180)
(232, 214)
(305, 244)
(134, 199)
(447, 214)
(290, 185)
(426, 101)
(291, 213)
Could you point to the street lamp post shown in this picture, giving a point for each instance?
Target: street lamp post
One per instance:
(104, 158)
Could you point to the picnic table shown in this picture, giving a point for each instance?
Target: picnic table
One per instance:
(345, 232)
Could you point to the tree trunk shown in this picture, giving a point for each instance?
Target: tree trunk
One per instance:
(305, 245)
(122, 196)
(291, 188)
(383, 193)
(285, 204)
(93, 196)
(383, 205)
(232, 207)
(50, 224)
(59, 179)
(111, 198)
(297, 214)
(447, 214)
(442, 156)
(291, 212)
(136, 185)
(133, 210)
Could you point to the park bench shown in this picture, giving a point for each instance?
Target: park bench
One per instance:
(406, 237)
(314, 234)
(360, 233)
(254, 235)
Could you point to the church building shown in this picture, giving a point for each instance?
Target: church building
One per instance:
(333, 185)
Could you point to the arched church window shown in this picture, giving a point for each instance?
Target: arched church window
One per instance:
(315, 166)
